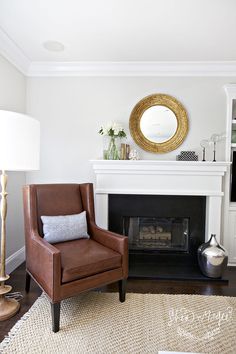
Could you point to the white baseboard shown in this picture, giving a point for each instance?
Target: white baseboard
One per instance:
(15, 260)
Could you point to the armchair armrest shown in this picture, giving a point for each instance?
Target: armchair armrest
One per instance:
(43, 244)
(109, 239)
(114, 241)
(44, 262)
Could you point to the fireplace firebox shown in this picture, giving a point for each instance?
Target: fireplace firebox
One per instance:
(155, 233)
(164, 232)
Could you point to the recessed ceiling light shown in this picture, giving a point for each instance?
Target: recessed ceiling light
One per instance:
(54, 46)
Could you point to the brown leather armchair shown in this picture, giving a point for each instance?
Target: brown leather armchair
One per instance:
(66, 269)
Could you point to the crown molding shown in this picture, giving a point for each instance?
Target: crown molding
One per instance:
(10, 50)
(129, 69)
(13, 53)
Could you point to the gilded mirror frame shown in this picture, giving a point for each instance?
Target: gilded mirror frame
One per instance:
(162, 100)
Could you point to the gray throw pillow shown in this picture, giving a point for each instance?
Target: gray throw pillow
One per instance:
(64, 227)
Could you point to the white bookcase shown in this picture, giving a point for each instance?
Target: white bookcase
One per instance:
(229, 205)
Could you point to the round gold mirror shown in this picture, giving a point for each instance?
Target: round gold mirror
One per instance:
(159, 123)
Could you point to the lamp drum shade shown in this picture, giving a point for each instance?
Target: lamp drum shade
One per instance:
(19, 142)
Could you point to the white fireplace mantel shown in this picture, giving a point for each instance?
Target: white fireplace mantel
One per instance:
(158, 177)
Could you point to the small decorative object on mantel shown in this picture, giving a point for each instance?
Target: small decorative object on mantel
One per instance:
(212, 258)
(187, 156)
(124, 151)
(215, 138)
(127, 151)
(133, 155)
(204, 144)
(114, 131)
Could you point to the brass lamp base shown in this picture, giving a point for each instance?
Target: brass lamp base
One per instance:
(8, 308)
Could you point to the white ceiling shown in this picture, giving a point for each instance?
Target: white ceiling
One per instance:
(122, 30)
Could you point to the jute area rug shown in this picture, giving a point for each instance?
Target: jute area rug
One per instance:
(98, 323)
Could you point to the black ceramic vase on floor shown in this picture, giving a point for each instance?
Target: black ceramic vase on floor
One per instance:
(212, 258)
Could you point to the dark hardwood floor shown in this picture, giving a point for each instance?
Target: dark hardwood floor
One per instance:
(17, 280)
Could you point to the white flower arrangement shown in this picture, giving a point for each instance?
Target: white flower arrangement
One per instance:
(113, 129)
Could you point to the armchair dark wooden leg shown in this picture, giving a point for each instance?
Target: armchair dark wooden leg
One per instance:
(27, 282)
(55, 309)
(122, 290)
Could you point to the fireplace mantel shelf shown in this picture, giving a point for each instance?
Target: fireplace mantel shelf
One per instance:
(160, 167)
(159, 162)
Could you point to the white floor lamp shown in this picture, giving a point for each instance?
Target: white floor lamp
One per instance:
(19, 151)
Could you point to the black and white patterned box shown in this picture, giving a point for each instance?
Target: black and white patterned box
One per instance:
(187, 156)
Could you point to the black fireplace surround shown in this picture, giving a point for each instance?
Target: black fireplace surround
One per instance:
(164, 233)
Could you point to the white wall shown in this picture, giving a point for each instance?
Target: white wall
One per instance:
(13, 97)
(71, 111)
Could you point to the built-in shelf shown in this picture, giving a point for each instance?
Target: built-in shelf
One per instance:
(229, 218)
